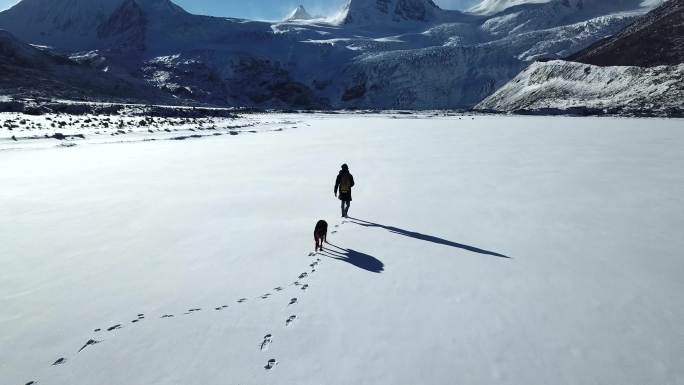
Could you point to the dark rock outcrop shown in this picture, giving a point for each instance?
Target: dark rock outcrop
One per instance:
(656, 39)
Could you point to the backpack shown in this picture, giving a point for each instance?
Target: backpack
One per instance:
(345, 184)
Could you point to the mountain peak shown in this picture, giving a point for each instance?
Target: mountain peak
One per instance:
(374, 11)
(299, 13)
(72, 24)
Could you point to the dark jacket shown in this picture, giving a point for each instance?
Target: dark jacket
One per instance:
(339, 179)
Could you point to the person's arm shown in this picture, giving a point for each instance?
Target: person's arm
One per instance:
(352, 180)
(337, 184)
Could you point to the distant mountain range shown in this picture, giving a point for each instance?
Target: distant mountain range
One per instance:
(376, 54)
(640, 71)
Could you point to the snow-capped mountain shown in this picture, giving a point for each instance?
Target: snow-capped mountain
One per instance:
(641, 72)
(402, 54)
(300, 13)
(370, 12)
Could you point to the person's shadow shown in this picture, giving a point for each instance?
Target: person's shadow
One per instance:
(356, 258)
(424, 237)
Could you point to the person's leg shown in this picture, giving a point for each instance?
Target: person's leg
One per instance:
(342, 207)
(346, 209)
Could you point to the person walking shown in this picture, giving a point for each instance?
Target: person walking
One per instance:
(344, 182)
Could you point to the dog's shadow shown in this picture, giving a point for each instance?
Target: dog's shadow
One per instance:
(356, 258)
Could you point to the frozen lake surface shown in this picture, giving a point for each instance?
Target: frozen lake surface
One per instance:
(482, 250)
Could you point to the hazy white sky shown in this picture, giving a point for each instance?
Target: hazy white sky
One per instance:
(269, 9)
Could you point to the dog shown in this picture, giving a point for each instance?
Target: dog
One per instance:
(320, 234)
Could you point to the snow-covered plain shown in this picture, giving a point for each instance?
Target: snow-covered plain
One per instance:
(487, 250)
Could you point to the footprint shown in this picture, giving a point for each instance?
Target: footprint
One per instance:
(60, 361)
(305, 287)
(31, 383)
(167, 316)
(311, 254)
(241, 300)
(334, 232)
(265, 296)
(337, 226)
(115, 327)
(271, 364)
(303, 275)
(135, 321)
(89, 343)
(141, 315)
(97, 330)
(267, 341)
(194, 310)
(290, 320)
(278, 288)
(293, 301)
(296, 283)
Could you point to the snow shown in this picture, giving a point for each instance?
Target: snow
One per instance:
(299, 13)
(490, 7)
(562, 85)
(588, 210)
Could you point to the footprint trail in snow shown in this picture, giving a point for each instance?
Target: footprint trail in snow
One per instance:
(264, 345)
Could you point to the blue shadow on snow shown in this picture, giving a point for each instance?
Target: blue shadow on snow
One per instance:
(356, 258)
(427, 238)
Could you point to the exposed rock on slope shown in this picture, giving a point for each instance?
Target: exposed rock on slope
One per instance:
(28, 71)
(656, 39)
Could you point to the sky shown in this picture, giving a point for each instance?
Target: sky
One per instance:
(270, 9)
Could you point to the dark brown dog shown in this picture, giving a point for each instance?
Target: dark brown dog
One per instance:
(320, 234)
